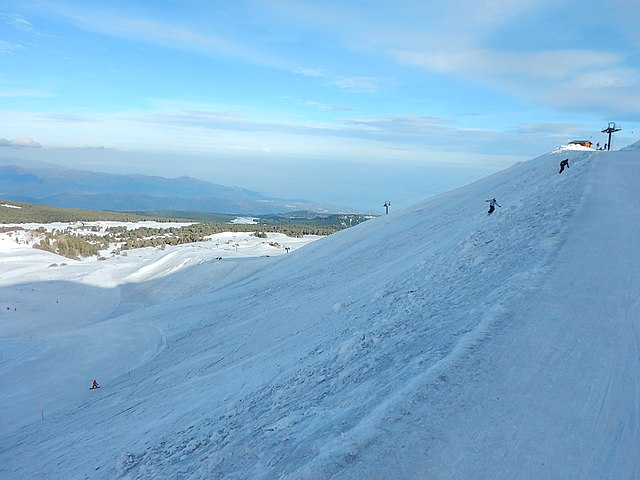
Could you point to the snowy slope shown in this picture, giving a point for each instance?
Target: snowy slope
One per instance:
(435, 342)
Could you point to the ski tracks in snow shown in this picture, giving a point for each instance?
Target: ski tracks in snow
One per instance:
(328, 365)
(398, 342)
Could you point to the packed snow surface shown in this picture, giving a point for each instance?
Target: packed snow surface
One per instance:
(435, 342)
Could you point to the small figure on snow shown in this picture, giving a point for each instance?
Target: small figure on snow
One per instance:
(94, 385)
(492, 205)
(564, 163)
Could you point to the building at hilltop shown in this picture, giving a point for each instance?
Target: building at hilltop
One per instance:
(584, 143)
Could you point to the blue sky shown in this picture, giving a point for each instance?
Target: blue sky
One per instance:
(350, 102)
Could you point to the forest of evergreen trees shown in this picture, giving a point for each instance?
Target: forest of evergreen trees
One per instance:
(73, 243)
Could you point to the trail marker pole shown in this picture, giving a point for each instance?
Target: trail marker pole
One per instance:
(42, 411)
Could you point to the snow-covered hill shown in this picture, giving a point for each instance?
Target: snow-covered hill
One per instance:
(435, 342)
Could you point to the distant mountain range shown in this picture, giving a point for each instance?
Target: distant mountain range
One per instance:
(47, 184)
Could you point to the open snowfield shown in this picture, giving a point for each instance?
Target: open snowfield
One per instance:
(435, 342)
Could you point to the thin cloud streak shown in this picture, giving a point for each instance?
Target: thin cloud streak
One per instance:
(548, 66)
(170, 35)
(212, 132)
(18, 93)
(8, 47)
(19, 22)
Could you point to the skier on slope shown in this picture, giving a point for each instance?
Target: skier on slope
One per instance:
(492, 205)
(564, 163)
(94, 385)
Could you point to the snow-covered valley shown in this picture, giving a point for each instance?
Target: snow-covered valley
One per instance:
(434, 342)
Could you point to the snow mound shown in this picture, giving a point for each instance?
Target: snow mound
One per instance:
(632, 147)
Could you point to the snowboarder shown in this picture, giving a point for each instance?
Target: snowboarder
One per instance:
(564, 163)
(94, 385)
(492, 205)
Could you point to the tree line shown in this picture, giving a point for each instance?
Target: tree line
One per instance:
(73, 244)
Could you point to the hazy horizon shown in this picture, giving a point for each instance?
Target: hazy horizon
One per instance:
(348, 104)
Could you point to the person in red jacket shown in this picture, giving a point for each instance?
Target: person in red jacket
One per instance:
(94, 384)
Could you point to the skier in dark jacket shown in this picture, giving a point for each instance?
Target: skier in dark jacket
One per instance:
(564, 163)
(94, 384)
(492, 205)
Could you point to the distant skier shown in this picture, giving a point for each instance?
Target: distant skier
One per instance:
(492, 205)
(564, 163)
(94, 385)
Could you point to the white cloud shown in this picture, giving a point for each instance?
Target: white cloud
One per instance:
(358, 84)
(7, 47)
(556, 50)
(583, 80)
(9, 93)
(354, 84)
(188, 128)
(19, 22)
(311, 72)
(66, 118)
(606, 78)
(548, 65)
(328, 107)
(19, 142)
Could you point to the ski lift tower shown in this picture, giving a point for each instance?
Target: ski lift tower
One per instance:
(610, 129)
